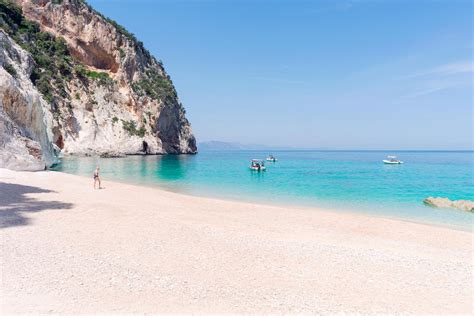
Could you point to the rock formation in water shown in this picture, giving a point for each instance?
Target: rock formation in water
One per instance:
(74, 79)
(464, 205)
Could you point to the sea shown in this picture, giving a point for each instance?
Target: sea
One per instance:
(341, 181)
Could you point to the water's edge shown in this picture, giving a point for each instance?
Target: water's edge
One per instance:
(325, 208)
(354, 182)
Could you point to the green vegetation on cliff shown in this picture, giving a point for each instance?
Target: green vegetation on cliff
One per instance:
(131, 128)
(9, 68)
(102, 77)
(155, 86)
(54, 64)
(55, 67)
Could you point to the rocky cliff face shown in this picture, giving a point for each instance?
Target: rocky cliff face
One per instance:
(103, 91)
(25, 140)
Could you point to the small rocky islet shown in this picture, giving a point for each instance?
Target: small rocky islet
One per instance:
(440, 202)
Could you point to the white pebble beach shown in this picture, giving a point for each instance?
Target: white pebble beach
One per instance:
(67, 248)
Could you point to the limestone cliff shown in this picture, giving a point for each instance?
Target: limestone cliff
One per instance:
(25, 140)
(101, 88)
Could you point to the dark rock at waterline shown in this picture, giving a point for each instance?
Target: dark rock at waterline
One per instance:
(112, 155)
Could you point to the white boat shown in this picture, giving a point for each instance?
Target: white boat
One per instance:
(392, 160)
(257, 165)
(271, 158)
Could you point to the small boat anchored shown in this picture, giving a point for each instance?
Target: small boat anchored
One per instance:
(271, 158)
(392, 160)
(257, 165)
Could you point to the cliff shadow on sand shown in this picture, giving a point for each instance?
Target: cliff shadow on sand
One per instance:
(15, 203)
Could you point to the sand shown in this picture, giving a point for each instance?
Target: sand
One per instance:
(67, 248)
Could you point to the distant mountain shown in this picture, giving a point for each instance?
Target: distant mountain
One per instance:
(233, 146)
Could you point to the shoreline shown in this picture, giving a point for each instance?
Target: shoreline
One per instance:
(326, 209)
(67, 249)
(363, 211)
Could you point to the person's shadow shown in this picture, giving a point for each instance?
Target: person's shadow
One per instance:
(14, 203)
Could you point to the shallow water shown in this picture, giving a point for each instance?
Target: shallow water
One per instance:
(355, 181)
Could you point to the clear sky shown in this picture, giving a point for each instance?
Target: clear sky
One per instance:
(316, 74)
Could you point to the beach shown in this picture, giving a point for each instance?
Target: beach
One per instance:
(67, 248)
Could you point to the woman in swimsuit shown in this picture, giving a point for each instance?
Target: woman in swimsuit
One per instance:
(96, 177)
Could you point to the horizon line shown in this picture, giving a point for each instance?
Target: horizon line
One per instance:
(338, 149)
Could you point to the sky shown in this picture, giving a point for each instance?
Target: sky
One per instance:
(315, 74)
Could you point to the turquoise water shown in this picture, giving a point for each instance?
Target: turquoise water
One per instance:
(355, 181)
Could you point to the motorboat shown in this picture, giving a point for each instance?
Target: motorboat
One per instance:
(257, 165)
(271, 158)
(392, 160)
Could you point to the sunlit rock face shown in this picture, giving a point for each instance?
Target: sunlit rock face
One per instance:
(25, 119)
(102, 92)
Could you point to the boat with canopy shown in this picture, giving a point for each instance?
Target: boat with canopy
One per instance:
(271, 158)
(257, 165)
(392, 160)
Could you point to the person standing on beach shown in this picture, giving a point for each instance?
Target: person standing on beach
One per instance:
(96, 177)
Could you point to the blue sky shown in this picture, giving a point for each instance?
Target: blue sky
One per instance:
(316, 74)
